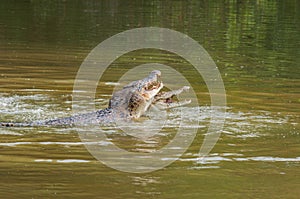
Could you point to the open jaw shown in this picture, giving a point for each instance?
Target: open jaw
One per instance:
(143, 97)
(152, 89)
(152, 81)
(149, 93)
(152, 85)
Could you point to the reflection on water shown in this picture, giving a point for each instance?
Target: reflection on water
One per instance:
(255, 47)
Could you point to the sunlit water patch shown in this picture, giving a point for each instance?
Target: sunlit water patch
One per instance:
(216, 158)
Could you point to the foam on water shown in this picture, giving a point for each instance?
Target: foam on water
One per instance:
(239, 125)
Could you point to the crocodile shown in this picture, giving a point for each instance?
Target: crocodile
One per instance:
(130, 103)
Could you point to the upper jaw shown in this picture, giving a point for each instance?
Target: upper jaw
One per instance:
(154, 84)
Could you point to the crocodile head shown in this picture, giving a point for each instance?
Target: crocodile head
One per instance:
(135, 98)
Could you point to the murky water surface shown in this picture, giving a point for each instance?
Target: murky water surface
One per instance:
(255, 46)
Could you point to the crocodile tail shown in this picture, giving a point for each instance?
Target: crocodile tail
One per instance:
(12, 124)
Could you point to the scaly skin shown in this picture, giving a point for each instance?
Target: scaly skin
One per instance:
(100, 116)
(129, 103)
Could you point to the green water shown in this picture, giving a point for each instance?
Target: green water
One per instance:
(255, 45)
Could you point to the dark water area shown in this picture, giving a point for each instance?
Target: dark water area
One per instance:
(255, 45)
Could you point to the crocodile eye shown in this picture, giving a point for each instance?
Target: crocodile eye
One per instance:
(168, 100)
